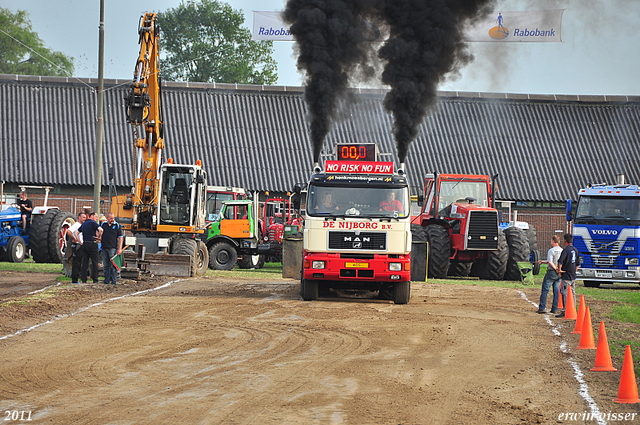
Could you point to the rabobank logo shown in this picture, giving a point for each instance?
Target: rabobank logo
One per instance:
(500, 31)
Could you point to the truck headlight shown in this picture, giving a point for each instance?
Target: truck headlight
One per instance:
(630, 261)
(395, 267)
(317, 264)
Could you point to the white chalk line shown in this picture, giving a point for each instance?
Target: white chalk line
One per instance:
(83, 309)
(577, 373)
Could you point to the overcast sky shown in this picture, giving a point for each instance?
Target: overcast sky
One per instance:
(599, 53)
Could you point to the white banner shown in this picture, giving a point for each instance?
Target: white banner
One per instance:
(269, 26)
(507, 27)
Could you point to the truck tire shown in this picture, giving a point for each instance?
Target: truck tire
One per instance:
(202, 259)
(249, 261)
(591, 284)
(518, 252)
(16, 249)
(439, 251)
(39, 236)
(182, 246)
(460, 268)
(532, 238)
(57, 235)
(309, 289)
(260, 262)
(401, 292)
(222, 256)
(495, 265)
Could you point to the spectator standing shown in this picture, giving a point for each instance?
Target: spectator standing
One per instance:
(569, 262)
(90, 231)
(111, 246)
(76, 246)
(551, 278)
(26, 207)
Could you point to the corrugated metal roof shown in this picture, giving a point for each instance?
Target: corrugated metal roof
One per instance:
(543, 147)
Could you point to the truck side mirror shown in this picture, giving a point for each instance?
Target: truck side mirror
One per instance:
(569, 213)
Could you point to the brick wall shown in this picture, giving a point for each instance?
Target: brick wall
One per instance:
(546, 224)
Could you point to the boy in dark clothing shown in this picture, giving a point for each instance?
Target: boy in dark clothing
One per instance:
(26, 207)
(569, 262)
(90, 231)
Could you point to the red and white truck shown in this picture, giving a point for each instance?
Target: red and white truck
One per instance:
(357, 231)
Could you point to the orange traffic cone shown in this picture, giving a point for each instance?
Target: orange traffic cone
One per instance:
(586, 339)
(628, 389)
(570, 309)
(603, 357)
(560, 304)
(580, 319)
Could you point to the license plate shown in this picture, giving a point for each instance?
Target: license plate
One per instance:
(357, 265)
(604, 274)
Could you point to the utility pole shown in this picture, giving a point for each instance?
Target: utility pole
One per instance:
(97, 185)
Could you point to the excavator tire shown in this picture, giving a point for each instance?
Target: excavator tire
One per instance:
(518, 251)
(188, 247)
(222, 256)
(495, 265)
(39, 236)
(202, 259)
(439, 251)
(57, 235)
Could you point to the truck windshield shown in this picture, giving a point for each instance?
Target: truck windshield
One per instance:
(457, 191)
(608, 210)
(372, 202)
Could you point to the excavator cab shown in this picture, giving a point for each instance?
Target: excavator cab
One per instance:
(182, 196)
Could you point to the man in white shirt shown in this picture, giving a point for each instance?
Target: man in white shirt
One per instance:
(551, 277)
(76, 237)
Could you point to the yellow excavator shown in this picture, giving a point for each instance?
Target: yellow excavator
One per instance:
(166, 207)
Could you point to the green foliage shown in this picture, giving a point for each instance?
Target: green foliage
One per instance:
(23, 52)
(203, 41)
(30, 266)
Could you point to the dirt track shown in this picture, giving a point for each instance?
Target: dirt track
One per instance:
(212, 351)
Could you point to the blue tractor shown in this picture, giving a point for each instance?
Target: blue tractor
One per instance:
(13, 243)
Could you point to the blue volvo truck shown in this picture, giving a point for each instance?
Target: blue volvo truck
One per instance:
(606, 232)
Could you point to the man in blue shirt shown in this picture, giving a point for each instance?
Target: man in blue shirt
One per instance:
(90, 234)
(569, 262)
(111, 247)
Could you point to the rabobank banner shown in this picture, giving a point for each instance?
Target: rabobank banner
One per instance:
(269, 26)
(529, 26)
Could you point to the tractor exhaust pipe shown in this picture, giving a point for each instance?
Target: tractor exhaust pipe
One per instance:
(401, 169)
(316, 168)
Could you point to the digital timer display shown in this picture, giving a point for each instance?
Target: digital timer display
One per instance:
(356, 152)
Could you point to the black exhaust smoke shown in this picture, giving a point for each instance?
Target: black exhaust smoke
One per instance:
(333, 41)
(335, 47)
(425, 44)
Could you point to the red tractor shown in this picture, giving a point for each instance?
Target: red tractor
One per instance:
(459, 220)
(277, 214)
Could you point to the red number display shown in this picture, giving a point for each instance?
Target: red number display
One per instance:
(357, 152)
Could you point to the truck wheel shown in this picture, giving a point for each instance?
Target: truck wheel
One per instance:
(401, 292)
(518, 252)
(591, 284)
(57, 235)
(39, 236)
(249, 261)
(460, 268)
(182, 246)
(439, 251)
(495, 265)
(222, 256)
(309, 289)
(202, 259)
(16, 249)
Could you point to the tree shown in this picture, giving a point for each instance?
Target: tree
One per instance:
(23, 52)
(203, 41)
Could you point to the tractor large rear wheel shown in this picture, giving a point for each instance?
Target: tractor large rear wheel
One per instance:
(460, 268)
(57, 235)
(439, 251)
(39, 236)
(495, 265)
(518, 252)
